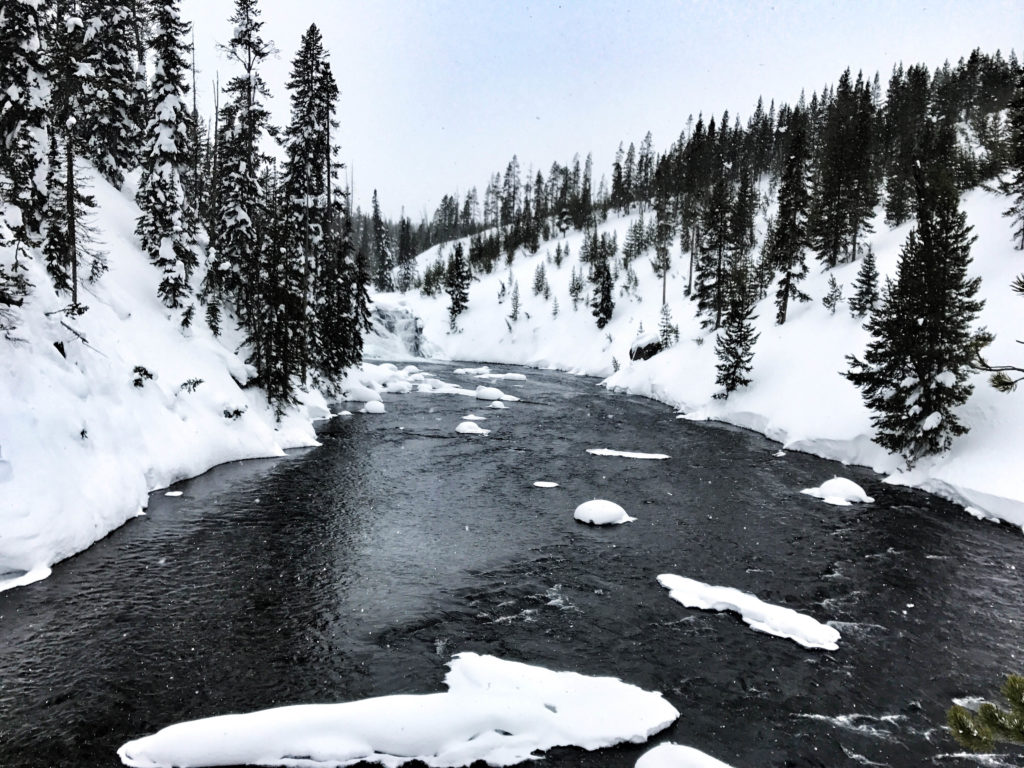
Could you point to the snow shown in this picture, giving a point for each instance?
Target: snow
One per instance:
(497, 711)
(498, 405)
(840, 492)
(473, 417)
(505, 376)
(173, 493)
(670, 755)
(471, 428)
(761, 616)
(602, 512)
(626, 454)
(545, 484)
(798, 396)
(374, 406)
(493, 393)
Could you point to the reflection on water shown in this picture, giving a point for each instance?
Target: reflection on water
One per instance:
(357, 569)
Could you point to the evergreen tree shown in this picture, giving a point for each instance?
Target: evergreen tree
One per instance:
(554, 308)
(865, 289)
(668, 332)
(979, 731)
(407, 255)
(575, 288)
(456, 283)
(1015, 186)
(603, 304)
(711, 289)
(916, 368)
(734, 346)
(163, 228)
(785, 243)
(514, 315)
(383, 259)
(540, 279)
(662, 261)
(110, 128)
(834, 295)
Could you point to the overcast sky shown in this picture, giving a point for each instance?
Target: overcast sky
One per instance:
(438, 95)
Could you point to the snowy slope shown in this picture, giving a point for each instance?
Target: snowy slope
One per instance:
(799, 396)
(80, 445)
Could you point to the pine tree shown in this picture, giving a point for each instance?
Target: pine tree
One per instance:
(662, 261)
(554, 307)
(540, 279)
(383, 259)
(711, 289)
(787, 240)
(456, 284)
(575, 288)
(407, 256)
(734, 346)
(979, 731)
(111, 134)
(668, 331)
(834, 295)
(164, 226)
(916, 369)
(603, 305)
(514, 315)
(1015, 186)
(865, 289)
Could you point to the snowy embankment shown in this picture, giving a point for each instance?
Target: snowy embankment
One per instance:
(497, 711)
(100, 409)
(799, 396)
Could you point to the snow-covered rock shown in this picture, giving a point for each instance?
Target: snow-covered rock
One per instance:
(373, 406)
(545, 484)
(670, 755)
(471, 428)
(493, 393)
(626, 454)
(601, 512)
(761, 616)
(839, 491)
(498, 405)
(473, 417)
(496, 711)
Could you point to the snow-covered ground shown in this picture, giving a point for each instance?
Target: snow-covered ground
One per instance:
(799, 396)
(500, 712)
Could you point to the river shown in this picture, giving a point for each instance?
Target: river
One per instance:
(357, 569)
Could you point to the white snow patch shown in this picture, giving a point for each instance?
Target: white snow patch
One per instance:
(472, 371)
(839, 491)
(493, 393)
(545, 484)
(498, 405)
(627, 454)
(373, 406)
(761, 616)
(471, 428)
(505, 376)
(474, 417)
(29, 577)
(670, 755)
(601, 512)
(496, 711)
(173, 493)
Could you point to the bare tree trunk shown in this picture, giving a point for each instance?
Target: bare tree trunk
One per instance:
(71, 214)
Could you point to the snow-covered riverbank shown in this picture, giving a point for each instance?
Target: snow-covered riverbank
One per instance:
(799, 396)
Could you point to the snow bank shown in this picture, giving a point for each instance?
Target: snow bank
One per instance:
(626, 454)
(839, 491)
(497, 711)
(471, 428)
(761, 616)
(798, 396)
(601, 512)
(669, 755)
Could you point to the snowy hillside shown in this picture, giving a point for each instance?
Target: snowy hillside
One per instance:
(85, 434)
(798, 397)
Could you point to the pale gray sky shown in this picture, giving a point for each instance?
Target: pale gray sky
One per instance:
(438, 95)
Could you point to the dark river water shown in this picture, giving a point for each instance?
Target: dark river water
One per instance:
(358, 569)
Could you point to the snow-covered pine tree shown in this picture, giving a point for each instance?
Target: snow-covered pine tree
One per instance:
(304, 205)
(383, 258)
(787, 240)
(111, 137)
(1014, 187)
(554, 307)
(668, 331)
(24, 121)
(407, 255)
(163, 228)
(514, 315)
(540, 280)
(234, 270)
(711, 287)
(834, 295)
(865, 289)
(734, 346)
(603, 304)
(662, 261)
(915, 372)
(456, 283)
(979, 731)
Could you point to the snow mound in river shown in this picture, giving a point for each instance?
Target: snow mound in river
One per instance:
(669, 755)
(602, 512)
(839, 491)
(496, 711)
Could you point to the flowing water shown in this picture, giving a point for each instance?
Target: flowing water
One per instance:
(357, 569)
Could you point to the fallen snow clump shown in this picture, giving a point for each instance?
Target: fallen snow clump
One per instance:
(498, 405)
(839, 491)
(374, 406)
(761, 616)
(493, 393)
(626, 454)
(496, 711)
(545, 484)
(601, 512)
(471, 428)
